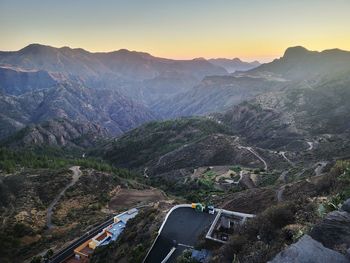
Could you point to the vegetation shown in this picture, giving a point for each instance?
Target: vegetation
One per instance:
(342, 187)
(267, 234)
(10, 160)
(186, 257)
(157, 138)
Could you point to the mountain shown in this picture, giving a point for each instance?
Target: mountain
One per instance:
(297, 68)
(107, 108)
(298, 63)
(232, 65)
(61, 132)
(148, 142)
(215, 94)
(305, 109)
(133, 73)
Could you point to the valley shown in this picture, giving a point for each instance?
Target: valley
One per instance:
(85, 136)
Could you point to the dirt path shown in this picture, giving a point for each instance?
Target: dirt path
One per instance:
(76, 174)
(311, 146)
(279, 194)
(256, 154)
(283, 154)
(171, 152)
(283, 176)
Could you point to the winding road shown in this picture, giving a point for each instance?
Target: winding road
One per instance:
(283, 154)
(311, 146)
(255, 153)
(76, 175)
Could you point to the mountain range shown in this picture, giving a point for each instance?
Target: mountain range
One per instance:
(270, 139)
(235, 64)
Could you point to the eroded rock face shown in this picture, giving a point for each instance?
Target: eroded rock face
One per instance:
(308, 250)
(334, 230)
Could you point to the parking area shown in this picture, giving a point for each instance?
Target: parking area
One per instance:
(182, 228)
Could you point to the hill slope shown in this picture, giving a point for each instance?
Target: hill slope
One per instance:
(57, 133)
(107, 108)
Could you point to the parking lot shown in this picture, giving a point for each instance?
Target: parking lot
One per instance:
(182, 228)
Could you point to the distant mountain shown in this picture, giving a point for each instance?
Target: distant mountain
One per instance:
(215, 94)
(298, 63)
(297, 68)
(61, 132)
(304, 109)
(232, 65)
(130, 72)
(107, 108)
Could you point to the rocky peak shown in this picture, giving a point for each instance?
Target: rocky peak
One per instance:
(295, 52)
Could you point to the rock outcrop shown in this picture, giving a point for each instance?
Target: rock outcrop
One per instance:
(334, 230)
(308, 250)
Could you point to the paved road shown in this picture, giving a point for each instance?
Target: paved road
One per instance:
(76, 174)
(183, 226)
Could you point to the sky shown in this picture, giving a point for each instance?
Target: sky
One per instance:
(180, 29)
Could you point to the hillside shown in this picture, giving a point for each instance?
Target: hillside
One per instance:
(304, 110)
(215, 94)
(60, 133)
(29, 189)
(107, 108)
(148, 142)
(15, 82)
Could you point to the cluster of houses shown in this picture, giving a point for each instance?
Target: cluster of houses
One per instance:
(108, 234)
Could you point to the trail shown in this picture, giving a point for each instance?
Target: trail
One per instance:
(256, 154)
(280, 193)
(145, 172)
(283, 176)
(172, 152)
(283, 154)
(311, 146)
(76, 175)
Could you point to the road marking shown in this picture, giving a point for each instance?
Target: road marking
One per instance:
(183, 245)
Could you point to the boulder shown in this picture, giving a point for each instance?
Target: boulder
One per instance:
(346, 206)
(308, 250)
(334, 230)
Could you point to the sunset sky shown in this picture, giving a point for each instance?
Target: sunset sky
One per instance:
(181, 29)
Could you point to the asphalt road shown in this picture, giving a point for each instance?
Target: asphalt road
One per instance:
(69, 251)
(184, 226)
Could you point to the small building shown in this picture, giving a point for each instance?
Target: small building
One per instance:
(83, 252)
(108, 234)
